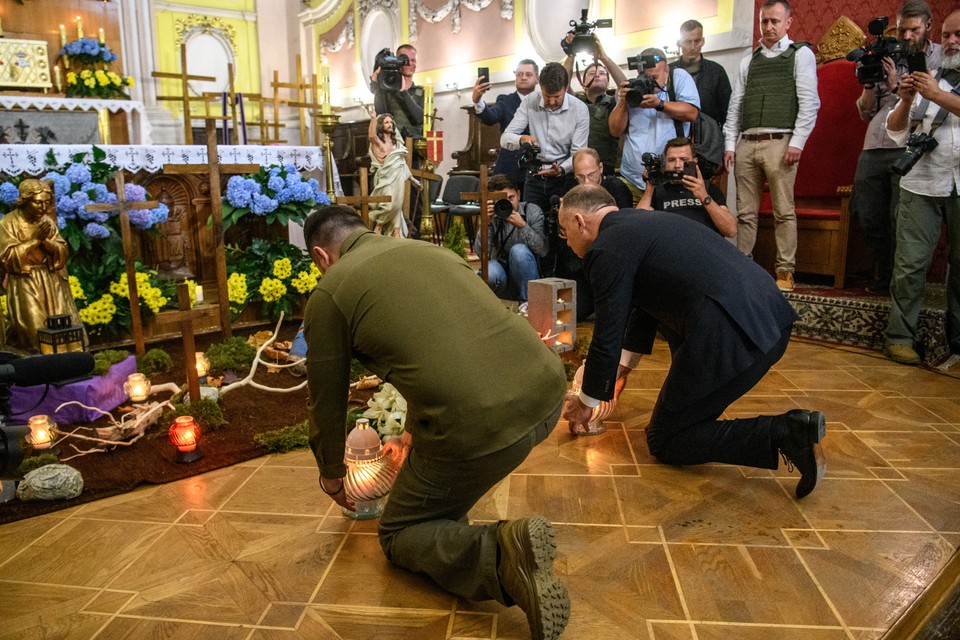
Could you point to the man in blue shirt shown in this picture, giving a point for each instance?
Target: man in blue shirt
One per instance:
(648, 127)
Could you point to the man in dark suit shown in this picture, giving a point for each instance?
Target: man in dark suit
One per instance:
(502, 111)
(723, 317)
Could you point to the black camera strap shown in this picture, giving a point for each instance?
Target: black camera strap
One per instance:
(921, 111)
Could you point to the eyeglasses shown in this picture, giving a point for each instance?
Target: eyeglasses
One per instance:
(593, 176)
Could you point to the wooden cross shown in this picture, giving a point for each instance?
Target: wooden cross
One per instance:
(214, 170)
(262, 123)
(482, 197)
(364, 199)
(185, 316)
(123, 206)
(301, 101)
(426, 175)
(184, 77)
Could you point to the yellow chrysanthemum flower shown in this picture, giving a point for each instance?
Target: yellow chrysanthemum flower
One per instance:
(282, 268)
(272, 289)
(76, 290)
(304, 282)
(237, 288)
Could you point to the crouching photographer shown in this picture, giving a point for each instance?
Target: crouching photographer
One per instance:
(516, 239)
(927, 121)
(676, 185)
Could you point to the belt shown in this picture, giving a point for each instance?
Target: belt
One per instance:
(754, 137)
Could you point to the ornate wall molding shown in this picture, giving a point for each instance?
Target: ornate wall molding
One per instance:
(364, 7)
(205, 24)
(346, 37)
(452, 8)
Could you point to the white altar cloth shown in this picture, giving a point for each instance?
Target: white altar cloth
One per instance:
(140, 125)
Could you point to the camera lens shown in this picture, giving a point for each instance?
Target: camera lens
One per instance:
(502, 208)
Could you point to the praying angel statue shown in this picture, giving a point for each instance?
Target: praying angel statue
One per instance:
(388, 159)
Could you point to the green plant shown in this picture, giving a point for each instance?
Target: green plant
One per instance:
(275, 273)
(582, 346)
(570, 369)
(357, 370)
(295, 436)
(456, 239)
(233, 354)
(35, 462)
(205, 411)
(103, 360)
(155, 361)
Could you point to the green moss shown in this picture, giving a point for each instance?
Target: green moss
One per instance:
(155, 361)
(570, 369)
(205, 411)
(582, 346)
(231, 355)
(296, 436)
(357, 370)
(103, 360)
(35, 462)
(456, 239)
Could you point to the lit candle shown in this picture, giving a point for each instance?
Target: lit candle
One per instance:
(199, 292)
(63, 36)
(79, 28)
(325, 88)
(137, 387)
(40, 436)
(103, 37)
(427, 107)
(57, 79)
(203, 366)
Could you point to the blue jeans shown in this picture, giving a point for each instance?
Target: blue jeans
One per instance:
(919, 219)
(299, 347)
(523, 268)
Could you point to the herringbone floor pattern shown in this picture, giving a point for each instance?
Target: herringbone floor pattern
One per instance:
(257, 552)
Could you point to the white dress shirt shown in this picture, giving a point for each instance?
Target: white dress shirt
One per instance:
(559, 133)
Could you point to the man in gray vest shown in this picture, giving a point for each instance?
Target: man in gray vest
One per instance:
(772, 112)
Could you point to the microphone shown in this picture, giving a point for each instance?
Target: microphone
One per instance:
(46, 369)
(554, 201)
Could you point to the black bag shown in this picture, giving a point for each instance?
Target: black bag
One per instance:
(706, 135)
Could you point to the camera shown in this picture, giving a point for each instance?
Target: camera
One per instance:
(643, 84)
(657, 175)
(528, 157)
(583, 34)
(870, 56)
(502, 208)
(390, 78)
(917, 145)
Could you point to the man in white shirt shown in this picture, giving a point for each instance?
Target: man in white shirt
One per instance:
(927, 121)
(772, 112)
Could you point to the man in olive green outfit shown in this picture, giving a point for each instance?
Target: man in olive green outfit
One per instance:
(481, 388)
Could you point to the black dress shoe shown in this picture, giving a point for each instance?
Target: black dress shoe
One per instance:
(800, 448)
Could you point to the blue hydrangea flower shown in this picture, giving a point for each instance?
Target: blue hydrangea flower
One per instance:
(78, 173)
(140, 218)
(291, 169)
(238, 194)
(66, 207)
(9, 193)
(159, 215)
(263, 205)
(274, 171)
(134, 192)
(96, 231)
(61, 222)
(321, 198)
(61, 184)
(275, 183)
(293, 179)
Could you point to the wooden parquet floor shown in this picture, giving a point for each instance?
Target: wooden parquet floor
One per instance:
(648, 551)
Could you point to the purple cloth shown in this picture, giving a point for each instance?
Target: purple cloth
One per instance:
(104, 392)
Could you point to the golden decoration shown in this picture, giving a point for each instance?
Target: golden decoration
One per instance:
(24, 64)
(841, 37)
(206, 24)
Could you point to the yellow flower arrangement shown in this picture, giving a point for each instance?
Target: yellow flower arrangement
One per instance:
(97, 83)
(99, 311)
(149, 294)
(304, 282)
(76, 290)
(237, 289)
(192, 288)
(272, 289)
(282, 268)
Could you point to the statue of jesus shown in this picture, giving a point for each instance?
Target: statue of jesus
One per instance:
(33, 255)
(388, 158)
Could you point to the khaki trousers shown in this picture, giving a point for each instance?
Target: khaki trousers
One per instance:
(757, 161)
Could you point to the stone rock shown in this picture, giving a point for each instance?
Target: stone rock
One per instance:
(51, 482)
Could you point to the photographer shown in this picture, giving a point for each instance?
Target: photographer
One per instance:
(927, 121)
(684, 192)
(403, 102)
(595, 82)
(502, 112)
(515, 237)
(875, 186)
(656, 118)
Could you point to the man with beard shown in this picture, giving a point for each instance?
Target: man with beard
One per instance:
(502, 111)
(929, 109)
(388, 159)
(876, 187)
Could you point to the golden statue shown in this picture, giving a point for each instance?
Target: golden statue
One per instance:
(33, 255)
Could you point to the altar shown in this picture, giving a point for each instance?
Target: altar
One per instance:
(35, 119)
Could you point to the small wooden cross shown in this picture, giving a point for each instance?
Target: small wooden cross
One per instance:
(482, 197)
(185, 316)
(184, 77)
(123, 206)
(214, 170)
(364, 199)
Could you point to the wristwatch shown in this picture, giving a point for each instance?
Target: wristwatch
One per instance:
(707, 200)
(660, 106)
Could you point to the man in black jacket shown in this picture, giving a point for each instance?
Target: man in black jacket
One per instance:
(724, 319)
(711, 78)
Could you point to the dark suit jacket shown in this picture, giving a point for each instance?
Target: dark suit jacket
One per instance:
(717, 308)
(714, 87)
(501, 113)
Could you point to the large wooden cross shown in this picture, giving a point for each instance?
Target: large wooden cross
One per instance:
(364, 200)
(426, 176)
(184, 99)
(482, 197)
(300, 103)
(213, 169)
(123, 206)
(185, 316)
